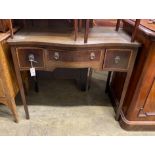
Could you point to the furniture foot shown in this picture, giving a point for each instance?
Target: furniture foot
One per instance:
(13, 108)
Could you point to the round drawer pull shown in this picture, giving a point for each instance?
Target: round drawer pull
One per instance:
(117, 59)
(31, 58)
(56, 55)
(92, 56)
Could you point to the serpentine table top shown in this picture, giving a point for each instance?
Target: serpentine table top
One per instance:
(98, 36)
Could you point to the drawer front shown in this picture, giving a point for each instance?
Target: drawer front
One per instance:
(117, 59)
(25, 54)
(74, 56)
(77, 59)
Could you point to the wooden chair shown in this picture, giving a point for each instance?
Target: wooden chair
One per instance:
(78, 23)
(137, 23)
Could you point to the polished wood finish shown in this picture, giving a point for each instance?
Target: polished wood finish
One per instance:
(8, 82)
(4, 25)
(148, 24)
(61, 51)
(149, 105)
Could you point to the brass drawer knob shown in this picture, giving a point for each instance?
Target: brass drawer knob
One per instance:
(31, 58)
(56, 56)
(92, 56)
(117, 59)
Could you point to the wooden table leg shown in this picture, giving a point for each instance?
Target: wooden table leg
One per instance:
(20, 83)
(82, 79)
(108, 82)
(89, 76)
(36, 86)
(118, 24)
(126, 83)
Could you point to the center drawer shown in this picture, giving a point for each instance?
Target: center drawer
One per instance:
(74, 58)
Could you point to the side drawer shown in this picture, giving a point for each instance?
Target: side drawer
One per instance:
(117, 59)
(76, 59)
(23, 54)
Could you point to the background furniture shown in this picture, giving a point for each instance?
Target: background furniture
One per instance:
(8, 82)
(4, 25)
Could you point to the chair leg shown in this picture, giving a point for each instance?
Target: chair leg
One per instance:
(80, 24)
(11, 28)
(75, 29)
(137, 23)
(118, 24)
(12, 106)
(86, 31)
